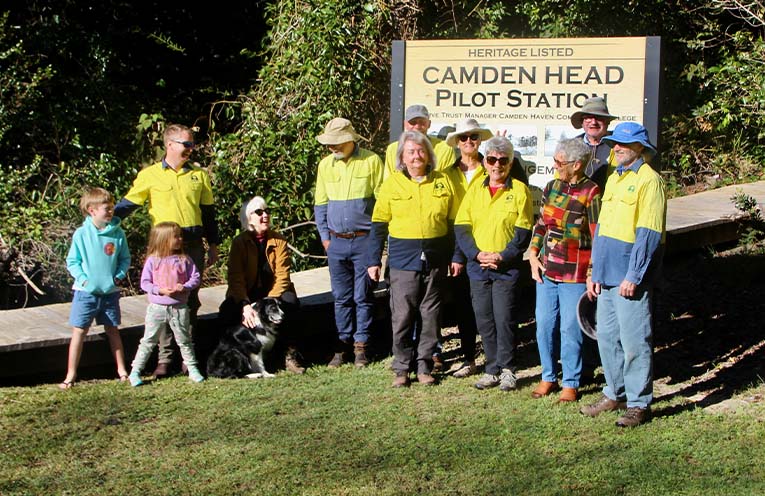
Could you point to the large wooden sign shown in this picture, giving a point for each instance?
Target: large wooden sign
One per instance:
(527, 88)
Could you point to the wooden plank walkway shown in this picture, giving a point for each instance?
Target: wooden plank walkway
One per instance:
(47, 325)
(709, 217)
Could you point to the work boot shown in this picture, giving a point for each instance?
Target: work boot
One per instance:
(401, 380)
(341, 355)
(604, 404)
(162, 370)
(633, 417)
(292, 362)
(360, 359)
(426, 379)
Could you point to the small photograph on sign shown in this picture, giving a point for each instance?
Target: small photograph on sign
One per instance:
(524, 138)
(554, 134)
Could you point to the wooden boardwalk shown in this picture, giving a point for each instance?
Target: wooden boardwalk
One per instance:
(47, 325)
(693, 221)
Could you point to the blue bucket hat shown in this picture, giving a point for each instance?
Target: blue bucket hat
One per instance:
(629, 132)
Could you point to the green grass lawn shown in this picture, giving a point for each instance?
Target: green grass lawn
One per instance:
(347, 432)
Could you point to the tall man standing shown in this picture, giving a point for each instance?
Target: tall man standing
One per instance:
(346, 186)
(178, 191)
(626, 260)
(417, 118)
(593, 119)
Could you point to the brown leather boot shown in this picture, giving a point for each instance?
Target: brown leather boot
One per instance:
(360, 359)
(341, 355)
(292, 362)
(401, 380)
(604, 404)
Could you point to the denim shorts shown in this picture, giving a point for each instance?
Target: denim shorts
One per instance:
(104, 308)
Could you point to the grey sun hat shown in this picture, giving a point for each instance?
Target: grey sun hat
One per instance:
(585, 315)
(592, 106)
(467, 126)
(415, 111)
(338, 131)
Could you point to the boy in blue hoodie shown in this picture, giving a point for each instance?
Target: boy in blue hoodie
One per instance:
(98, 260)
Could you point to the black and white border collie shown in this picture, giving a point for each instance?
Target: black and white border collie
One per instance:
(240, 350)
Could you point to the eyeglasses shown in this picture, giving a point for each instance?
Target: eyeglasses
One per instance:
(561, 164)
(590, 116)
(186, 144)
(261, 211)
(503, 161)
(473, 137)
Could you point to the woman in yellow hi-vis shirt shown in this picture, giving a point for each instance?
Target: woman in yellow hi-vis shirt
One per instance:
(415, 211)
(493, 228)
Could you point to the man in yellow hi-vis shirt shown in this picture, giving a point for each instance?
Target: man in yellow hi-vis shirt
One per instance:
(626, 260)
(415, 211)
(346, 185)
(177, 191)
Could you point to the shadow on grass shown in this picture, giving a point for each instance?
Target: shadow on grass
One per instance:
(709, 336)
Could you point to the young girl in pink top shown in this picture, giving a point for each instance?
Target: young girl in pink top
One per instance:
(168, 276)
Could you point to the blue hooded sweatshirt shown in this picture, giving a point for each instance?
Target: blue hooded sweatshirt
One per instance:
(97, 257)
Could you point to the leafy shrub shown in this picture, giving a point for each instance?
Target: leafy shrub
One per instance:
(324, 59)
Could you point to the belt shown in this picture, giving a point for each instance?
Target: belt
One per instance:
(349, 235)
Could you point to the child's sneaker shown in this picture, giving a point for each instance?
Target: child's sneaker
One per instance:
(135, 379)
(195, 375)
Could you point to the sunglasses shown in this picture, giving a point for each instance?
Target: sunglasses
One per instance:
(186, 144)
(561, 164)
(502, 161)
(261, 211)
(473, 137)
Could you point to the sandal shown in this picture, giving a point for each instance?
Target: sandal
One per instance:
(124, 378)
(66, 385)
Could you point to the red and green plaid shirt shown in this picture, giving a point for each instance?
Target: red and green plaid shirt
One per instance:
(563, 233)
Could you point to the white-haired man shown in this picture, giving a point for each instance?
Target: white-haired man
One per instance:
(626, 261)
(346, 186)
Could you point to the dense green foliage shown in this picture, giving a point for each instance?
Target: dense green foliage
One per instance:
(310, 76)
(86, 87)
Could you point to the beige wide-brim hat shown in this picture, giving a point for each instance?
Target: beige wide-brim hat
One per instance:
(338, 131)
(592, 106)
(467, 126)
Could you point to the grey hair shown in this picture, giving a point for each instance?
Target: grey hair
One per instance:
(575, 150)
(499, 144)
(420, 139)
(249, 207)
